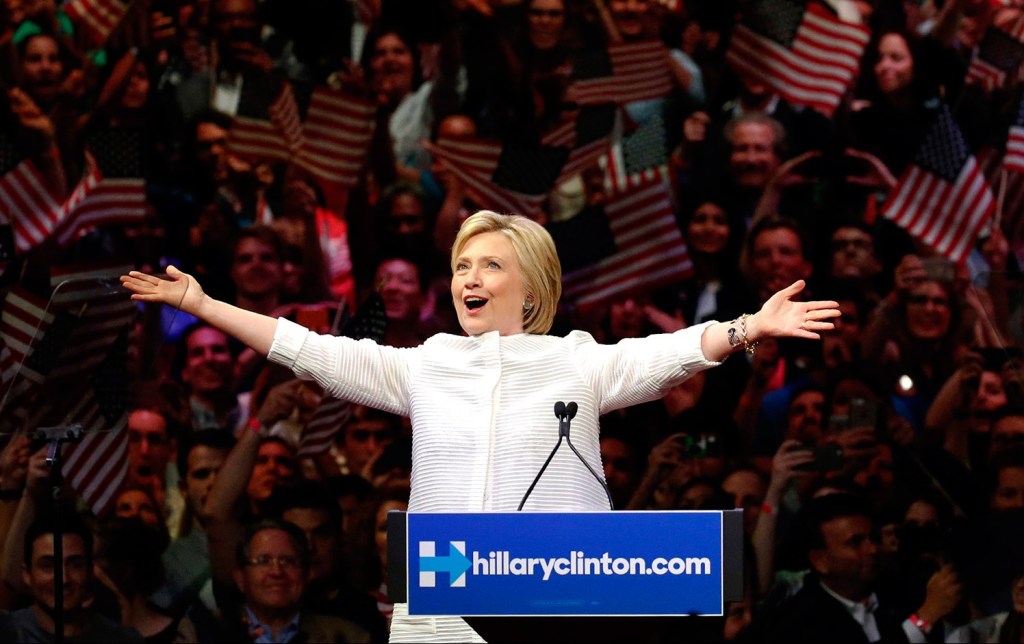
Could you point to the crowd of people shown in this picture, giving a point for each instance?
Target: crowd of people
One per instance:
(880, 469)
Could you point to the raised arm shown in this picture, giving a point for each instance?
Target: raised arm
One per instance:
(182, 291)
(780, 317)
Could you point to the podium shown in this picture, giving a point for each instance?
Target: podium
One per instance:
(589, 576)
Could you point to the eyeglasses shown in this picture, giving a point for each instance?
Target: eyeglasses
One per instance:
(363, 435)
(285, 562)
(921, 300)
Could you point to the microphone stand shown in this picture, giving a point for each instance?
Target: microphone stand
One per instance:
(54, 437)
(565, 413)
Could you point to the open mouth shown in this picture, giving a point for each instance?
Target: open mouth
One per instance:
(474, 303)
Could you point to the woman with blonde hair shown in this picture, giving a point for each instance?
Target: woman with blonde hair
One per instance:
(481, 405)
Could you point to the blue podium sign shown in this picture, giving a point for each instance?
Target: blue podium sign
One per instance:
(601, 563)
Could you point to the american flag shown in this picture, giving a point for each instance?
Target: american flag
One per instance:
(95, 295)
(942, 198)
(10, 157)
(32, 208)
(23, 322)
(800, 49)
(1014, 159)
(97, 17)
(337, 136)
(637, 158)
(998, 57)
(120, 196)
(587, 137)
(1008, 187)
(97, 465)
(369, 322)
(633, 244)
(510, 177)
(93, 366)
(284, 113)
(623, 73)
(254, 133)
(36, 333)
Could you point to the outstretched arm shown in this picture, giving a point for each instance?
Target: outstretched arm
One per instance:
(182, 291)
(780, 317)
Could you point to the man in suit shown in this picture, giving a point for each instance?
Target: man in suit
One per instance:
(838, 602)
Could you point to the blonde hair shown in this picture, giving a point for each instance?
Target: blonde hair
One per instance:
(537, 257)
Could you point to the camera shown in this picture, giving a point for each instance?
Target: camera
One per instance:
(827, 458)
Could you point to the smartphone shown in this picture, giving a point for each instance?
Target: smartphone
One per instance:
(838, 422)
(827, 458)
(863, 413)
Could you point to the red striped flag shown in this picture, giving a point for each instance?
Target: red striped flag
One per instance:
(337, 136)
(330, 416)
(997, 60)
(32, 208)
(369, 322)
(93, 366)
(96, 466)
(97, 17)
(942, 198)
(643, 248)
(638, 158)
(284, 113)
(24, 317)
(624, 73)
(801, 50)
(587, 137)
(1014, 159)
(255, 133)
(23, 322)
(506, 177)
(118, 198)
(1008, 187)
(94, 294)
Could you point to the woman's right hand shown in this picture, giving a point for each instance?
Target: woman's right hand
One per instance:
(181, 291)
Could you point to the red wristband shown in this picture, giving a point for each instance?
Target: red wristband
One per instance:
(766, 508)
(256, 426)
(920, 623)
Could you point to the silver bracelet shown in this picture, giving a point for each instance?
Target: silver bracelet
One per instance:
(740, 338)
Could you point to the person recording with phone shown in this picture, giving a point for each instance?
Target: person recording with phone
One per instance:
(480, 405)
(912, 340)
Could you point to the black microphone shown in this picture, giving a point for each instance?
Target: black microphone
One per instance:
(566, 413)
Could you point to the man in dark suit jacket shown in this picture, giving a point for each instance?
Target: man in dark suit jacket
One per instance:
(838, 602)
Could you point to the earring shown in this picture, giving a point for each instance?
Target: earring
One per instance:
(528, 305)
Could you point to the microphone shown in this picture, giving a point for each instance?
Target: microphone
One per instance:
(565, 413)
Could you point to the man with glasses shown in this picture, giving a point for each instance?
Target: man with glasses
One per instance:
(272, 570)
(853, 253)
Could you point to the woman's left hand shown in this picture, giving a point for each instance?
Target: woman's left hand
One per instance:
(782, 317)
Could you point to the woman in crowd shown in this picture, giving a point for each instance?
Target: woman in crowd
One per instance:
(913, 339)
(481, 405)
